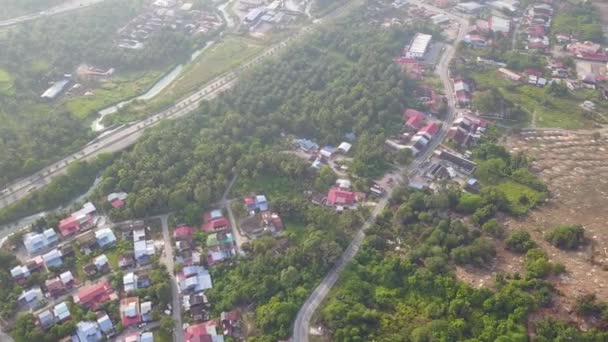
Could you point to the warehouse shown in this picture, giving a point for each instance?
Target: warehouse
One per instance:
(419, 45)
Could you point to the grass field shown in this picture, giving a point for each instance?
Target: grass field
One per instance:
(271, 186)
(220, 58)
(110, 92)
(545, 110)
(514, 192)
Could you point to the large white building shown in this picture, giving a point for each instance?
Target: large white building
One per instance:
(419, 45)
(500, 25)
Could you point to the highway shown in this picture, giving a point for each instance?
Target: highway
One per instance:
(301, 326)
(67, 6)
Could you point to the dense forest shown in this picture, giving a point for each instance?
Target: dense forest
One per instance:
(33, 54)
(335, 83)
(401, 286)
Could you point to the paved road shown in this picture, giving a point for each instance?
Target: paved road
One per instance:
(169, 260)
(67, 6)
(302, 324)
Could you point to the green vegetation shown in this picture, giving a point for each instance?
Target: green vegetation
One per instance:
(520, 198)
(583, 21)
(520, 242)
(43, 50)
(567, 237)
(409, 293)
(16, 8)
(76, 181)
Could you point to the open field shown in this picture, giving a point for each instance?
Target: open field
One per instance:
(575, 168)
(514, 191)
(545, 110)
(220, 58)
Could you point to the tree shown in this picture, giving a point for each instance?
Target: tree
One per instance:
(567, 237)
(520, 242)
(493, 228)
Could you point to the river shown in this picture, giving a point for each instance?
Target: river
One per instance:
(156, 89)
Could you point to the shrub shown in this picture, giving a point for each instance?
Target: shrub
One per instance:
(520, 242)
(566, 237)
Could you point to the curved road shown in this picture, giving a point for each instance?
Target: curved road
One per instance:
(67, 6)
(302, 324)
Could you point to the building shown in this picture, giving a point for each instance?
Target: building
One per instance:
(30, 297)
(117, 199)
(129, 311)
(502, 6)
(440, 19)
(307, 146)
(340, 197)
(256, 203)
(429, 130)
(20, 273)
(413, 118)
(194, 279)
(61, 312)
(87, 332)
(45, 319)
(254, 14)
(53, 258)
(469, 7)
(206, 331)
(344, 147)
(183, 233)
(475, 40)
(102, 263)
(38, 242)
(221, 247)
(419, 46)
(215, 221)
(79, 220)
(143, 249)
(93, 295)
(145, 310)
(105, 237)
(500, 25)
(54, 287)
(105, 323)
(461, 162)
(55, 90)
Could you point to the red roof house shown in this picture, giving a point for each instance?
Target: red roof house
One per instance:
(129, 311)
(93, 295)
(430, 129)
(201, 332)
(183, 233)
(69, 226)
(337, 196)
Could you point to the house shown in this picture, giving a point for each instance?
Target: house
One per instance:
(87, 332)
(145, 310)
(67, 278)
(429, 130)
(117, 199)
(37, 242)
(35, 264)
(129, 311)
(93, 295)
(469, 7)
(203, 332)
(536, 31)
(197, 304)
(266, 221)
(344, 147)
(472, 185)
(214, 221)
(61, 312)
(183, 233)
(55, 90)
(475, 40)
(105, 323)
(581, 48)
(144, 251)
(30, 297)
(45, 319)
(307, 146)
(230, 322)
(53, 258)
(55, 287)
(126, 260)
(327, 151)
(256, 203)
(79, 220)
(105, 237)
(87, 242)
(194, 279)
(500, 25)
(66, 250)
(466, 131)
(340, 197)
(461, 162)
(129, 282)
(413, 118)
(102, 263)
(90, 269)
(146, 336)
(20, 273)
